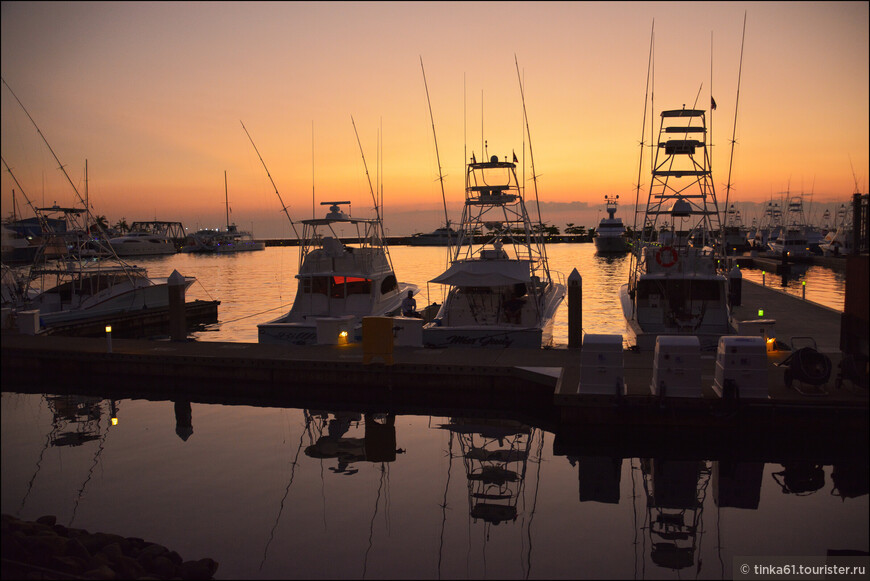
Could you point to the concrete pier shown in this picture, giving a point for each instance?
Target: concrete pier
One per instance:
(540, 383)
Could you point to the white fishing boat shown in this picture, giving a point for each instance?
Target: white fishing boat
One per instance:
(676, 289)
(792, 238)
(142, 244)
(438, 237)
(768, 228)
(610, 235)
(339, 278)
(736, 239)
(222, 241)
(838, 240)
(501, 292)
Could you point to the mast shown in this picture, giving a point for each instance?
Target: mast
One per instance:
(227, 200)
(380, 222)
(636, 234)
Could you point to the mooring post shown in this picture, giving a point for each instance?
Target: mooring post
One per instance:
(177, 316)
(575, 310)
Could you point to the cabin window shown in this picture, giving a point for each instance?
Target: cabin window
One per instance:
(343, 286)
(389, 284)
(317, 285)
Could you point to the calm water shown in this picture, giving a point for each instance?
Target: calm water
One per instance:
(292, 493)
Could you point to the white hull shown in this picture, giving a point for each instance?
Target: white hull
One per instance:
(498, 335)
(611, 244)
(123, 298)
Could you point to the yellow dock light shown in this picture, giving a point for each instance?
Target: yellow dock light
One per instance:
(342, 338)
(108, 328)
(771, 344)
(108, 338)
(114, 421)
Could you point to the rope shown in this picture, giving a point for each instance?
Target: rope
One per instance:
(255, 314)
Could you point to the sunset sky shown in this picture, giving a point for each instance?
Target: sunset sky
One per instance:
(152, 95)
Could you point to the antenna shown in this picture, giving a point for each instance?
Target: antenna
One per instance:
(313, 211)
(283, 207)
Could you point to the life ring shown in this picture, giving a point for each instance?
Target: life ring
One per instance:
(666, 256)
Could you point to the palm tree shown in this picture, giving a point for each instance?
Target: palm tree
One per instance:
(122, 226)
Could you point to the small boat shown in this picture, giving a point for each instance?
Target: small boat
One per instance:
(339, 278)
(142, 244)
(501, 292)
(610, 234)
(676, 289)
(222, 241)
(438, 237)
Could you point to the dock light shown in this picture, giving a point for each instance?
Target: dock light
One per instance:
(108, 338)
(762, 277)
(771, 344)
(760, 312)
(804, 289)
(342, 338)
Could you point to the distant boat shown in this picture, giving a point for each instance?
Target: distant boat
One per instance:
(439, 237)
(142, 244)
(792, 238)
(610, 234)
(222, 241)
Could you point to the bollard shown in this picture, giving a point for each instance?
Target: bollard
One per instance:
(762, 278)
(575, 310)
(804, 289)
(108, 338)
(177, 316)
(735, 287)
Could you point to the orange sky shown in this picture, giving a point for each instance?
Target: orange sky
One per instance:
(152, 96)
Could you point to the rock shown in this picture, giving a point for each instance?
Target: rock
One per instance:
(49, 520)
(66, 564)
(154, 550)
(128, 568)
(202, 569)
(163, 567)
(75, 548)
(113, 551)
(103, 572)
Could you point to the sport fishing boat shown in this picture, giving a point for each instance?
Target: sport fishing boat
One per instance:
(677, 289)
(339, 278)
(769, 227)
(501, 292)
(438, 237)
(610, 234)
(792, 239)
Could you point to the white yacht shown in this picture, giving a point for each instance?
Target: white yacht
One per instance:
(610, 234)
(500, 290)
(438, 237)
(338, 278)
(142, 244)
(222, 241)
(675, 289)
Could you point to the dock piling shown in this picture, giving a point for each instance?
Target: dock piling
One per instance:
(575, 310)
(177, 315)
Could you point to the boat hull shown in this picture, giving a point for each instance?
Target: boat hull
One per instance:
(611, 244)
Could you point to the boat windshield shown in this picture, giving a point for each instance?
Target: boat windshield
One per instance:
(337, 286)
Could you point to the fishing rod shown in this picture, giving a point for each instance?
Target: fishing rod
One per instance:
(374, 197)
(99, 226)
(283, 206)
(532, 159)
(437, 157)
(43, 221)
(635, 255)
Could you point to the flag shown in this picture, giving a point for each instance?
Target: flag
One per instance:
(472, 158)
(712, 103)
(515, 157)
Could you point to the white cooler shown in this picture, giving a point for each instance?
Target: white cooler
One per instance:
(602, 367)
(742, 360)
(677, 365)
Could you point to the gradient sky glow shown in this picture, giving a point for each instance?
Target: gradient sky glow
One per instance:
(152, 95)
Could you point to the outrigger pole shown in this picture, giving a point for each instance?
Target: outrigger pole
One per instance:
(437, 156)
(283, 207)
(734, 132)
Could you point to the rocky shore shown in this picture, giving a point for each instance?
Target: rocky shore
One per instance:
(46, 550)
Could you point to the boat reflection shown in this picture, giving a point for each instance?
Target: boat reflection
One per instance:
(377, 444)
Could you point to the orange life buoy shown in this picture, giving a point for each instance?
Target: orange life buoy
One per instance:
(666, 256)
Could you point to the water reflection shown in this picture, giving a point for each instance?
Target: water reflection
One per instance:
(306, 492)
